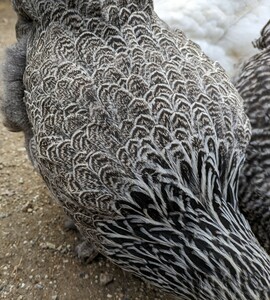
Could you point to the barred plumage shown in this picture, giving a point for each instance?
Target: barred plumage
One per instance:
(253, 83)
(141, 138)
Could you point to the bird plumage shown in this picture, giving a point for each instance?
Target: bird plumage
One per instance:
(141, 137)
(253, 83)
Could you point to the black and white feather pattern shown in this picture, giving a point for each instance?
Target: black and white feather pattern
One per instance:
(141, 138)
(253, 83)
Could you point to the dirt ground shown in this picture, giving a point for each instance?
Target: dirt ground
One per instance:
(37, 259)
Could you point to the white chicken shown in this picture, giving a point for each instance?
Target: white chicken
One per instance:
(224, 29)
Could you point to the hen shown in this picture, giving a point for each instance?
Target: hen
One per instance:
(253, 83)
(141, 138)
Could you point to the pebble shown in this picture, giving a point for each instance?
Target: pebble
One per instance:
(7, 193)
(28, 206)
(105, 279)
(39, 286)
(2, 287)
(109, 296)
(84, 275)
(48, 245)
(4, 215)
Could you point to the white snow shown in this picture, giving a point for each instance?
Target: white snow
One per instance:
(225, 29)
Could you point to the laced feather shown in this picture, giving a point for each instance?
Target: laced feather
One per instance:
(141, 138)
(253, 85)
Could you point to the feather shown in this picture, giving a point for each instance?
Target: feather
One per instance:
(141, 137)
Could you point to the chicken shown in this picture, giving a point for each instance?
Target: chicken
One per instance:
(253, 83)
(141, 138)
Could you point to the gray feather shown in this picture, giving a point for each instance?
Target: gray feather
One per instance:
(141, 138)
(253, 83)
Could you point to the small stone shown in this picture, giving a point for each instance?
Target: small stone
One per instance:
(35, 198)
(105, 279)
(4, 215)
(48, 245)
(84, 275)
(109, 296)
(55, 297)
(7, 193)
(39, 286)
(2, 287)
(21, 181)
(27, 207)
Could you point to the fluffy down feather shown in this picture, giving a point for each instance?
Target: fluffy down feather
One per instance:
(223, 29)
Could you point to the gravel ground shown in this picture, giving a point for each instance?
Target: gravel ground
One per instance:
(37, 258)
